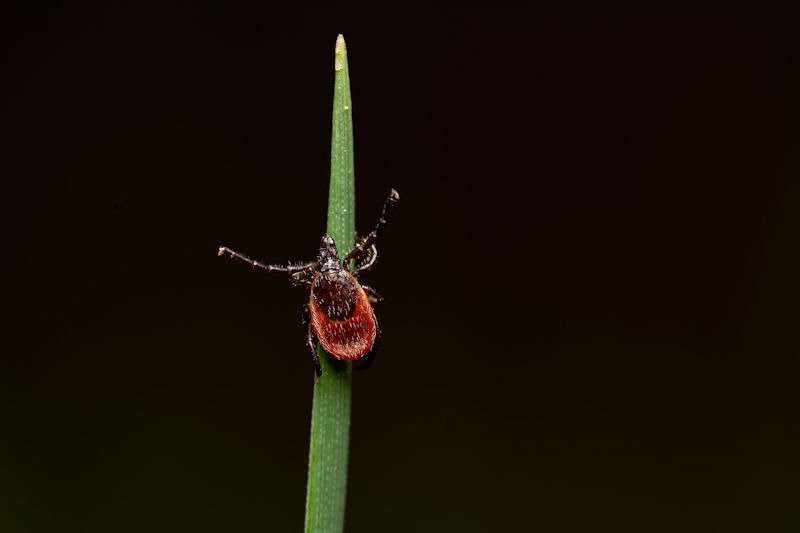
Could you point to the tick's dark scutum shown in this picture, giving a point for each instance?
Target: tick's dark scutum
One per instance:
(336, 294)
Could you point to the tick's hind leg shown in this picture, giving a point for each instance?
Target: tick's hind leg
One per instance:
(367, 360)
(372, 294)
(311, 341)
(312, 346)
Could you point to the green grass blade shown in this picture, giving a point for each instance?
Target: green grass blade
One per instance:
(330, 417)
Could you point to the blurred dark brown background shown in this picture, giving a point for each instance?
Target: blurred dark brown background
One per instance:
(591, 282)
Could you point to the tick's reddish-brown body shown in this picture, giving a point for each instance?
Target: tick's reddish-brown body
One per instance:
(342, 315)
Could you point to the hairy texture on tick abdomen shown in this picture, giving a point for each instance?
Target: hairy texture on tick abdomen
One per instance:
(336, 294)
(352, 336)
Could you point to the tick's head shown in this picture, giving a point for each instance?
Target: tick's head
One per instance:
(328, 255)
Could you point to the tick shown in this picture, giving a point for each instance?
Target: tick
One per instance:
(339, 311)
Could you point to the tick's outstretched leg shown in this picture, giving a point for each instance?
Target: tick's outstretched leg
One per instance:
(311, 341)
(370, 357)
(291, 269)
(372, 294)
(367, 243)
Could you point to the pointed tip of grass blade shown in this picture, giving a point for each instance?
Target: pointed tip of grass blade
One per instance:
(341, 53)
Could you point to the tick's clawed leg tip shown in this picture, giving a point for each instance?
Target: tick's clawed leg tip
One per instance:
(221, 251)
(394, 195)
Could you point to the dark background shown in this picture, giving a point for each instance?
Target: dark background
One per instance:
(591, 281)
